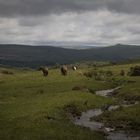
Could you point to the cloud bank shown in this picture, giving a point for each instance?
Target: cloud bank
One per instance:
(70, 21)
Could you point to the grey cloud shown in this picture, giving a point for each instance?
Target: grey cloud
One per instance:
(43, 7)
(30, 21)
(88, 27)
(134, 30)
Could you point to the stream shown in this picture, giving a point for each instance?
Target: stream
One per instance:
(111, 133)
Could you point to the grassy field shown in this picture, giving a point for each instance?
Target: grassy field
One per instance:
(37, 107)
(127, 119)
(33, 107)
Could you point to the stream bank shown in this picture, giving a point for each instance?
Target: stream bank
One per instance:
(111, 134)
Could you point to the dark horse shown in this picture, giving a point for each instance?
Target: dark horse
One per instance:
(44, 70)
(64, 70)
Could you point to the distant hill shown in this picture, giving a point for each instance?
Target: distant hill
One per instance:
(34, 56)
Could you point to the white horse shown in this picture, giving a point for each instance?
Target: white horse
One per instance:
(74, 68)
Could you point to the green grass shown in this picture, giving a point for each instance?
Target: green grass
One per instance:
(33, 107)
(28, 100)
(124, 118)
(130, 89)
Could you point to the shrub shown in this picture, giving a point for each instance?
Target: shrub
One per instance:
(88, 74)
(134, 71)
(72, 109)
(122, 73)
(6, 72)
(79, 88)
(109, 73)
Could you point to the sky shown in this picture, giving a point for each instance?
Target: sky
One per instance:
(70, 22)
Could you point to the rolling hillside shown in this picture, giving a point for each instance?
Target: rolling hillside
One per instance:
(33, 56)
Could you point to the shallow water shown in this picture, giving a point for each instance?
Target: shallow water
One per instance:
(84, 120)
(120, 136)
(107, 92)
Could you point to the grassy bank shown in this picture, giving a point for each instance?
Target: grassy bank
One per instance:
(33, 107)
(128, 118)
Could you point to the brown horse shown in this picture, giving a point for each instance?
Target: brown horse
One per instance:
(44, 70)
(64, 70)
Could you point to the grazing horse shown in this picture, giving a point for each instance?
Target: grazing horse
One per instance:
(74, 68)
(64, 70)
(44, 70)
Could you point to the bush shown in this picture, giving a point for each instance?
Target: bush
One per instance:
(80, 88)
(134, 71)
(6, 72)
(122, 73)
(109, 73)
(72, 109)
(88, 74)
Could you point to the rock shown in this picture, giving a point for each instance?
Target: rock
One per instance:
(107, 129)
(105, 107)
(82, 88)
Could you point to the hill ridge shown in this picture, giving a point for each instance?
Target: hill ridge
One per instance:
(35, 55)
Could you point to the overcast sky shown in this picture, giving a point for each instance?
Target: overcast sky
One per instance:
(92, 22)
